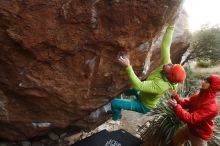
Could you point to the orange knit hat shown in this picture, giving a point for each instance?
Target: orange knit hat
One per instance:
(177, 74)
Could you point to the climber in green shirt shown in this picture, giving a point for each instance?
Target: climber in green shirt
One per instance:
(148, 92)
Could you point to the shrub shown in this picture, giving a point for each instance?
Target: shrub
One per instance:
(163, 126)
(204, 63)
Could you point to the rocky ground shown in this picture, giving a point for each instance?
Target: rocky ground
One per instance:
(131, 121)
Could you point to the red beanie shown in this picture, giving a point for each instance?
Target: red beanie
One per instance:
(177, 74)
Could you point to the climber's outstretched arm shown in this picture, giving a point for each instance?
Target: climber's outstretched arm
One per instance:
(166, 44)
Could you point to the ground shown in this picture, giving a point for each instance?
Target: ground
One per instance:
(131, 121)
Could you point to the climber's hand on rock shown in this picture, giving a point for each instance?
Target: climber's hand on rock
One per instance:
(124, 61)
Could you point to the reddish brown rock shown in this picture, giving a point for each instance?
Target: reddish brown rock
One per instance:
(58, 58)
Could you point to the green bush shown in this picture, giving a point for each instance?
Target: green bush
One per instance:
(207, 63)
(205, 44)
(204, 63)
(163, 126)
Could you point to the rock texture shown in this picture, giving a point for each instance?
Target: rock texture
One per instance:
(58, 58)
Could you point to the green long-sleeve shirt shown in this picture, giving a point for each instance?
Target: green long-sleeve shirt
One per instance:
(156, 84)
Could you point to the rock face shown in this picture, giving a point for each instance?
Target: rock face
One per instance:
(58, 58)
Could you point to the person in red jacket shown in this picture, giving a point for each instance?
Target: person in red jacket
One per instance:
(198, 112)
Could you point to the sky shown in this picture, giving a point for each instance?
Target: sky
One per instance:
(202, 12)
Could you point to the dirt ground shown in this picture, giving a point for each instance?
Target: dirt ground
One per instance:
(130, 122)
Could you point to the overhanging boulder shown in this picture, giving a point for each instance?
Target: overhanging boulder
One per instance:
(58, 58)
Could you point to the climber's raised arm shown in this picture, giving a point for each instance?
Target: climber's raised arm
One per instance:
(166, 44)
